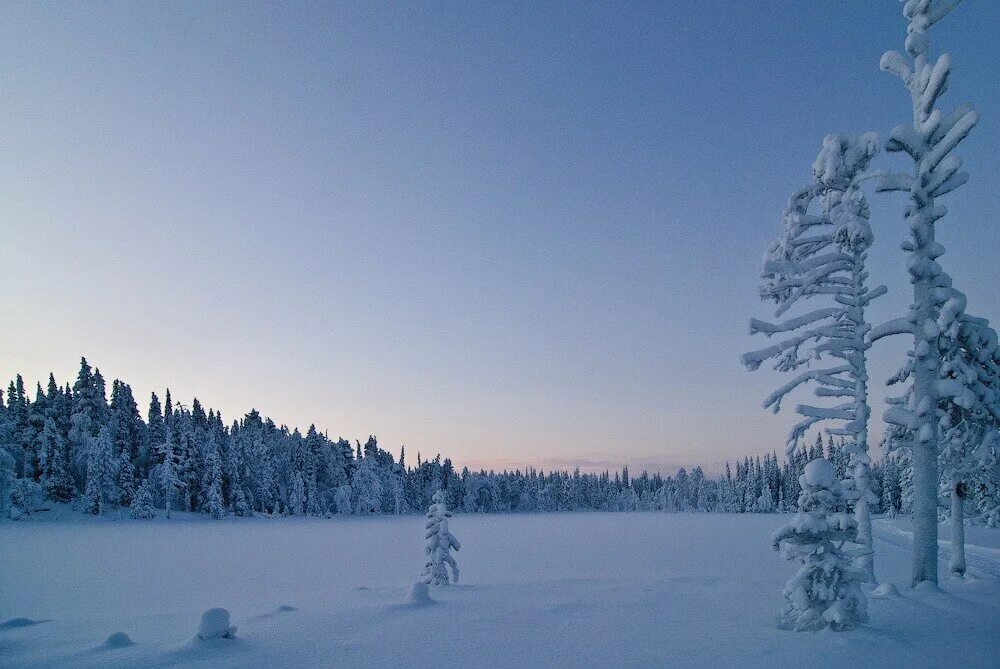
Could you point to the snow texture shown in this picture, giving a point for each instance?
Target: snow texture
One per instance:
(118, 640)
(884, 591)
(692, 589)
(419, 593)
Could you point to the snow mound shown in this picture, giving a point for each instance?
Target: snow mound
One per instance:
(285, 608)
(419, 594)
(19, 622)
(885, 591)
(215, 625)
(118, 640)
(927, 586)
(820, 473)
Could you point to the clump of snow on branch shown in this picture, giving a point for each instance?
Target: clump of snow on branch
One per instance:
(825, 591)
(440, 543)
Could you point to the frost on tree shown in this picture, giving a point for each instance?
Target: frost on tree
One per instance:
(101, 492)
(967, 416)
(142, 503)
(169, 481)
(820, 257)
(214, 495)
(440, 543)
(929, 141)
(826, 590)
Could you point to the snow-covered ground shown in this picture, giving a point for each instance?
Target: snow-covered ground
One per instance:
(557, 589)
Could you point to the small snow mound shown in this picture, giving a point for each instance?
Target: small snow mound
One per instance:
(927, 586)
(419, 594)
(18, 622)
(118, 640)
(885, 591)
(285, 608)
(215, 625)
(820, 473)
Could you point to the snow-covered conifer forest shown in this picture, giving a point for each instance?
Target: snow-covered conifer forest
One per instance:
(153, 531)
(72, 447)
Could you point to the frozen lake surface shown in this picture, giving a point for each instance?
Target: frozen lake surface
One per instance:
(587, 589)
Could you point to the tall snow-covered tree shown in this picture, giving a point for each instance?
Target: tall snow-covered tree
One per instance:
(126, 479)
(367, 487)
(168, 479)
(826, 589)
(929, 141)
(213, 497)
(440, 543)
(56, 479)
(821, 255)
(101, 492)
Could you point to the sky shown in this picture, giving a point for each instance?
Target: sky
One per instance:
(510, 233)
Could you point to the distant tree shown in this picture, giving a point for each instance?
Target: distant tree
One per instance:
(168, 479)
(213, 497)
(367, 487)
(142, 503)
(101, 493)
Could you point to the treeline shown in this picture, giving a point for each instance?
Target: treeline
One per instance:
(71, 444)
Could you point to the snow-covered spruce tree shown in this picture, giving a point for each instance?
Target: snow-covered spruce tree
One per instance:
(440, 543)
(822, 256)
(967, 415)
(142, 503)
(213, 498)
(297, 496)
(367, 487)
(126, 479)
(169, 482)
(56, 480)
(928, 140)
(969, 421)
(826, 589)
(988, 504)
(101, 492)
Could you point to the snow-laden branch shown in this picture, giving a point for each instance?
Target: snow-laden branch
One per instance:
(897, 326)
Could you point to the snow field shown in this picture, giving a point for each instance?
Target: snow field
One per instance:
(587, 589)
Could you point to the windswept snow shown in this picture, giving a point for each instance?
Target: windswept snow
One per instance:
(118, 640)
(645, 589)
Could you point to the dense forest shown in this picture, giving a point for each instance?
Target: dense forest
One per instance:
(72, 444)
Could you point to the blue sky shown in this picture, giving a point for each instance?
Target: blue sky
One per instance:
(510, 233)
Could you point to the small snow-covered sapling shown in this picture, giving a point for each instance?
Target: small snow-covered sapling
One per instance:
(826, 590)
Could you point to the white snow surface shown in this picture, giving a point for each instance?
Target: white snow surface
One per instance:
(579, 589)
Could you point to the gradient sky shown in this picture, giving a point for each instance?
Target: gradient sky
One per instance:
(510, 233)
